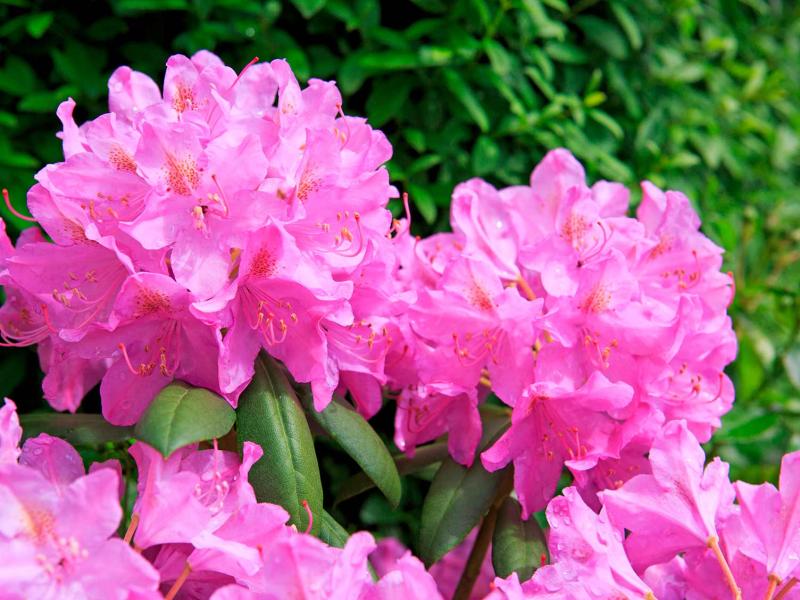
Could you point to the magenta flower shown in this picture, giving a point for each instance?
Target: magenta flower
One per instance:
(152, 337)
(586, 540)
(58, 524)
(210, 486)
(678, 507)
(771, 522)
(10, 433)
(553, 425)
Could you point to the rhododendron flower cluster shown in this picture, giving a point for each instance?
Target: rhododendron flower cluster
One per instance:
(225, 214)
(691, 534)
(596, 328)
(231, 213)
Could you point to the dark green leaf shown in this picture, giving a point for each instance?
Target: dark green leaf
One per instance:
(359, 440)
(330, 531)
(387, 98)
(457, 500)
(517, 545)
(423, 201)
(270, 415)
(17, 77)
(604, 35)
(462, 92)
(486, 155)
(423, 457)
(12, 372)
(80, 429)
(181, 414)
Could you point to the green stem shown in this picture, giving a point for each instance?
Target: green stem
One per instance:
(476, 556)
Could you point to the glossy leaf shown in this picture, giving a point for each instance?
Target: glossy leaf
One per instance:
(424, 456)
(330, 531)
(181, 414)
(79, 429)
(517, 545)
(360, 441)
(270, 415)
(457, 500)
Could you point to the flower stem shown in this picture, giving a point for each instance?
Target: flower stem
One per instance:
(713, 543)
(173, 591)
(785, 589)
(473, 567)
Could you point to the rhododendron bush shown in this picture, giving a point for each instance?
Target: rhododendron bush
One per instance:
(220, 257)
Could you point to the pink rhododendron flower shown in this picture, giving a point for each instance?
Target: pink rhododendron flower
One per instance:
(10, 433)
(390, 554)
(210, 486)
(679, 506)
(58, 525)
(554, 425)
(771, 522)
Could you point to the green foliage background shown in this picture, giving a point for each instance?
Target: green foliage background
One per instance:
(698, 96)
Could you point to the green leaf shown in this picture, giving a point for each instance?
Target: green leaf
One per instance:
(46, 101)
(361, 443)
(80, 429)
(499, 58)
(457, 500)
(422, 199)
(628, 24)
(751, 429)
(604, 35)
(17, 77)
(791, 363)
(608, 122)
(387, 98)
(423, 457)
(351, 75)
(464, 94)
(38, 24)
(270, 415)
(517, 545)
(181, 414)
(566, 53)
(127, 6)
(12, 371)
(330, 531)
(486, 155)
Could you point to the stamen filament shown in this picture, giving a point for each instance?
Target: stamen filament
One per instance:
(785, 589)
(173, 591)
(526, 289)
(310, 516)
(131, 528)
(713, 543)
(127, 358)
(14, 210)
(247, 66)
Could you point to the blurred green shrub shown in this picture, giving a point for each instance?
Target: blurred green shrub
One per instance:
(695, 95)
